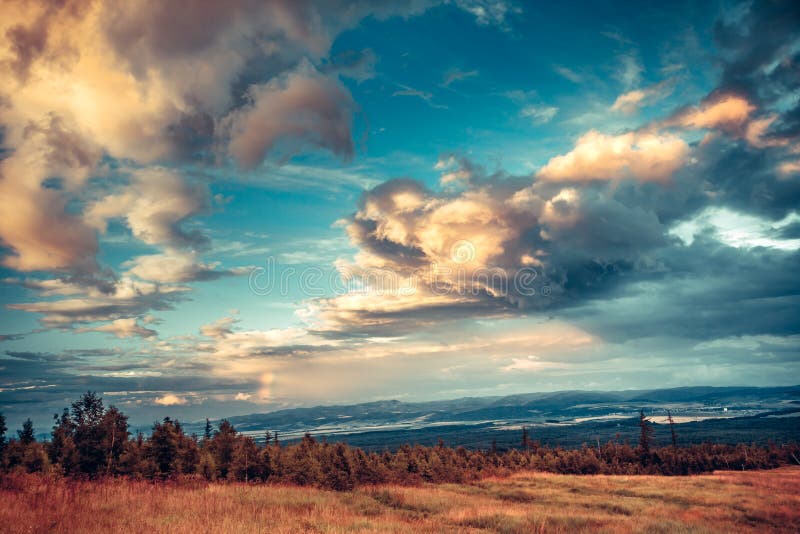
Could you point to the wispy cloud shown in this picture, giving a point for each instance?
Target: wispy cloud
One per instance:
(426, 96)
(631, 101)
(568, 73)
(539, 114)
(454, 75)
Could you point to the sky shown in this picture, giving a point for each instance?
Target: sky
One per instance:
(210, 209)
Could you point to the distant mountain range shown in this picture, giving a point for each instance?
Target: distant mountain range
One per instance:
(567, 416)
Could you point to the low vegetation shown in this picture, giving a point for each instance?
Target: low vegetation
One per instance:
(91, 441)
(727, 501)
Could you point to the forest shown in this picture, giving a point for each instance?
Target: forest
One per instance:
(91, 441)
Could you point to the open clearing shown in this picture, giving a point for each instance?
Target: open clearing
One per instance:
(726, 501)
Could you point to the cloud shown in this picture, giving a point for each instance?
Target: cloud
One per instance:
(538, 115)
(40, 356)
(170, 399)
(303, 108)
(640, 156)
(154, 205)
(99, 89)
(617, 36)
(126, 298)
(496, 246)
(729, 113)
(631, 101)
(358, 65)
(34, 221)
(733, 115)
(426, 96)
(177, 266)
(759, 56)
(455, 75)
(486, 12)
(123, 328)
(789, 167)
(568, 73)
(456, 170)
(219, 328)
(629, 72)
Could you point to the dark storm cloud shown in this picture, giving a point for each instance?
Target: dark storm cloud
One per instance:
(790, 231)
(760, 58)
(756, 49)
(747, 179)
(705, 291)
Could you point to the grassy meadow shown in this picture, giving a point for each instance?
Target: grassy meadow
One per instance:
(725, 501)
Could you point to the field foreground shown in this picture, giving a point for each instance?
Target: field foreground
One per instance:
(726, 501)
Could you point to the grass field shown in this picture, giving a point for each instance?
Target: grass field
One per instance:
(727, 501)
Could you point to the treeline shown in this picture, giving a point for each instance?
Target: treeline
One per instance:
(92, 441)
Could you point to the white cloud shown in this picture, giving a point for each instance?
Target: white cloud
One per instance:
(738, 230)
(539, 114)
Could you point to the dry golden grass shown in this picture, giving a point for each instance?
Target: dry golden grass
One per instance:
(528, 502)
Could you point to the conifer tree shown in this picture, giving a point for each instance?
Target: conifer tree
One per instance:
(163, 450)
(87, 416)
(207, 433)
(245, 461)
(222, 446)
(672, 429)
(26, 435)
(645, 434)
(62, 449)
(3, 430)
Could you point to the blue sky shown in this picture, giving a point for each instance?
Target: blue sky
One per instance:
(640, 161)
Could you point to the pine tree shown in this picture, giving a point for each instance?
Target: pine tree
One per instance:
(163, 448)
(245, 461)
(188, 453)
(207, 433)
(3, 430)
(645, 434)
(206, 465)
(525, 438)
(87, 416)
(222, 446)
(672, 429)
(62, 449)
(26, 435)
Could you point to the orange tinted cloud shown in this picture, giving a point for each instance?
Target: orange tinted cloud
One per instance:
(647, 157)
(727, 113)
